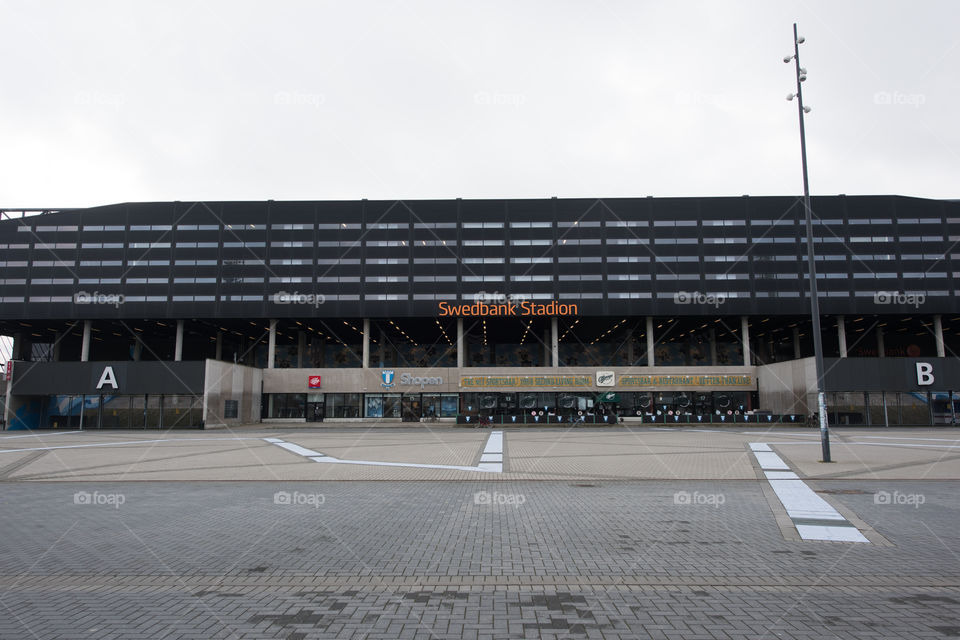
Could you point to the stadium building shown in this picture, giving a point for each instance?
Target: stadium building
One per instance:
(542, 311)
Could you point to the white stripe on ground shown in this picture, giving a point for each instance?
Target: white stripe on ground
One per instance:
(491, 460)
(896, 438)
(297, 449)
(770, 460)
(114, 444)
(37, 435)
(802, 503)
(877, 444)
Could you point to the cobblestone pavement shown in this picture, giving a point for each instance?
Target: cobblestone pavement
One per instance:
(595, 454)
(506, 559)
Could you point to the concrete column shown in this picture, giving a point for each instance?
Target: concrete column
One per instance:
(137, 348)
(938, 334)
(461, 344)
(219, 353)
(85, 345)
(842, 335)
(178, 351)
(302, 347)
(547, 356)
(630, 354)
(382, 347)
(881, 350)
(366, 342)
(272, 344)
(796, 343)
(713, 346)
(745, 337)
(17, 346)
(555, 341)
(650, 359)
(56, 346)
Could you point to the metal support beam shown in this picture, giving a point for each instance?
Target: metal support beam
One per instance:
(272, 344)
(366, 342)
(178, 351)
(842, 335)
(85, 345)
(938, 334)
(555, 341)
(650, 341)
(745, 339)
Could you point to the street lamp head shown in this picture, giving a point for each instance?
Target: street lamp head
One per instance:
(791, 96)
(801, 40)
(802, 77)
(787, 59)
(803, 71)
(807, 109)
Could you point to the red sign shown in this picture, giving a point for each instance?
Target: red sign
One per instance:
(9, 374)
(313, 382)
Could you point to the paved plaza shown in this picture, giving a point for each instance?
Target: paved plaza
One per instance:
(452, 533)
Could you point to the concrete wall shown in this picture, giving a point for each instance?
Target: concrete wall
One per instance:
(788, 387)
(227, 381)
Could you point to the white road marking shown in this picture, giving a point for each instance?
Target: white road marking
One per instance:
(896, 438)
(297, 449)
(37, 435)
(806, 509)
(115, 444)
(877, 444)
(770, 460)
(491, 460)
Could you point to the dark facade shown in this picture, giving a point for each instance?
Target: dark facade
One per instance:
(634, 282)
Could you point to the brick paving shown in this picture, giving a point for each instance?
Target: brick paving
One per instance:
(495, 559)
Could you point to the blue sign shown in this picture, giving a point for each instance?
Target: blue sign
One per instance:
(387, 376)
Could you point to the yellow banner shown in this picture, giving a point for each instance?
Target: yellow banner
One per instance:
(721, 380)
(526, 381)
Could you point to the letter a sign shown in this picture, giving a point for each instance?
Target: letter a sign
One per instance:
(108, 377)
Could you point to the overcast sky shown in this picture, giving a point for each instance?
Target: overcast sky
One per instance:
(130, 101)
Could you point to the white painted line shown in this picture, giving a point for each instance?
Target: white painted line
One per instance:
(115, 444)
(413, 465)
(781, 475)
(770, 460)
(896, 438)
(907, 444)
(760, 446)
(800, 501)
(297, 449)
(37, 435)
(492, 457)
(877, 444)
(491, 460)
(803, 505)
(781, 433)
(830, 534)
(662, 429)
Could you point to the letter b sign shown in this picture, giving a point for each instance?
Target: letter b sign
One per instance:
(924, 374)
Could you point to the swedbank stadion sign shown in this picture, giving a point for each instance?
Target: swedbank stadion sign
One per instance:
(515, 308)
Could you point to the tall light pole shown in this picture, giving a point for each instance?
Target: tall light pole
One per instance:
(811, 264)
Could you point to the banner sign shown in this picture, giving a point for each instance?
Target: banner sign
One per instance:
(721, 380)
(526, 381)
